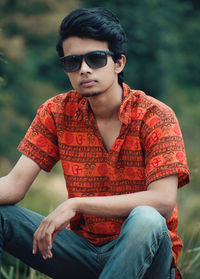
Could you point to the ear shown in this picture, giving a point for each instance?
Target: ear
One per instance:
(119, 65)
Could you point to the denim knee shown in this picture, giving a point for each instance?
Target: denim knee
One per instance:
(3, 210)
(148, 215)
(6, 213)
(144, 235)
(7, 210)
(144, 221)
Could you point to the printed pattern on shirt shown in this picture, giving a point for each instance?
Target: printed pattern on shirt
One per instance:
(149, 147)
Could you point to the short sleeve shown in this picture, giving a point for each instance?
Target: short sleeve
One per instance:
(40, 142)
(163, 144)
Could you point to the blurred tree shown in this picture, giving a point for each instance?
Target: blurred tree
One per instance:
(29, 71)
(162, 41)
(163, 51)
(163, 60)
(188, 55)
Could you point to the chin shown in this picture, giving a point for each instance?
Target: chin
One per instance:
(91, 94)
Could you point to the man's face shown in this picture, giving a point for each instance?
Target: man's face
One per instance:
(88, 81)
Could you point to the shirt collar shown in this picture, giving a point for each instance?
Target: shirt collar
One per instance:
(127, 104)
(84, 112)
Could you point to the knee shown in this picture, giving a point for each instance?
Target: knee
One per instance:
(4, 213)
(147, 215)
(7, 207)
(146, 220)
(7, 210)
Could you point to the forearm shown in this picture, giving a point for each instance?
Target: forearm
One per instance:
(162, 197)
(119, 205)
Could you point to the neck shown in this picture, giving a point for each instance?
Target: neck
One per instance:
(106, 106)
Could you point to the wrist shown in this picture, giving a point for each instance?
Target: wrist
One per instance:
(74, 204)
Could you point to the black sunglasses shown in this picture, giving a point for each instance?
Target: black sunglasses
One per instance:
(94, 59)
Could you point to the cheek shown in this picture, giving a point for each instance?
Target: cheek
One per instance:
(72, 78)
(108, 74)
(108, 71)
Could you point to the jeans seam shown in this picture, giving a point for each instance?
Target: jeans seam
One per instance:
(164, 234)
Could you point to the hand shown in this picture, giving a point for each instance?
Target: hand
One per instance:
(50, 226)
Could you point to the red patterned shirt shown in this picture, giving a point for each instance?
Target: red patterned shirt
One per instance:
(149, 147)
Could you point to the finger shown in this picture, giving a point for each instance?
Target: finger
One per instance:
(54, 235)
(39, 238)
(34, 246)
(48, 244)
(45, 241)
(38, 243)
(50, 255)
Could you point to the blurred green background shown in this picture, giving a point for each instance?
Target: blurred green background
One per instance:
(163, 59)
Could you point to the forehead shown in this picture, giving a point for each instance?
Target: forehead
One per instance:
(76, 45)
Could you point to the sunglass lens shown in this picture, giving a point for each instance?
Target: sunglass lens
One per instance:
(72, 63)
(96, 60)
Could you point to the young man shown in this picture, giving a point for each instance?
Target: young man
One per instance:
(123, 159)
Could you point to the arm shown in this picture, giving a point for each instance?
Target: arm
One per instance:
(161, 195)
(14, 186)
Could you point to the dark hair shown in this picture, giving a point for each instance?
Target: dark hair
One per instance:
(96, 23)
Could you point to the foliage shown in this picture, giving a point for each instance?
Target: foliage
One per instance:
(28, 273)
(163, 53)
(29, 69)
(162, 41)
(187, 109)
(163, 47)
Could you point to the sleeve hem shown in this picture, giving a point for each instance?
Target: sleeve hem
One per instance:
(182, 172)
(43, 161)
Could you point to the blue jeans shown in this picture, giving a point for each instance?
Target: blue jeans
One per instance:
(143, 249)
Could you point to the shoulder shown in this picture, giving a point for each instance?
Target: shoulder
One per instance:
(145, 106)
(150, 104)
(61, 102)
(139, 107)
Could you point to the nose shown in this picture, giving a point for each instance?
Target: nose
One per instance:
(84, 67)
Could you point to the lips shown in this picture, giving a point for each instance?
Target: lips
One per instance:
(87, 82)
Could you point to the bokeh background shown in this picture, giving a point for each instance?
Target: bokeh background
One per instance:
(163, 59)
